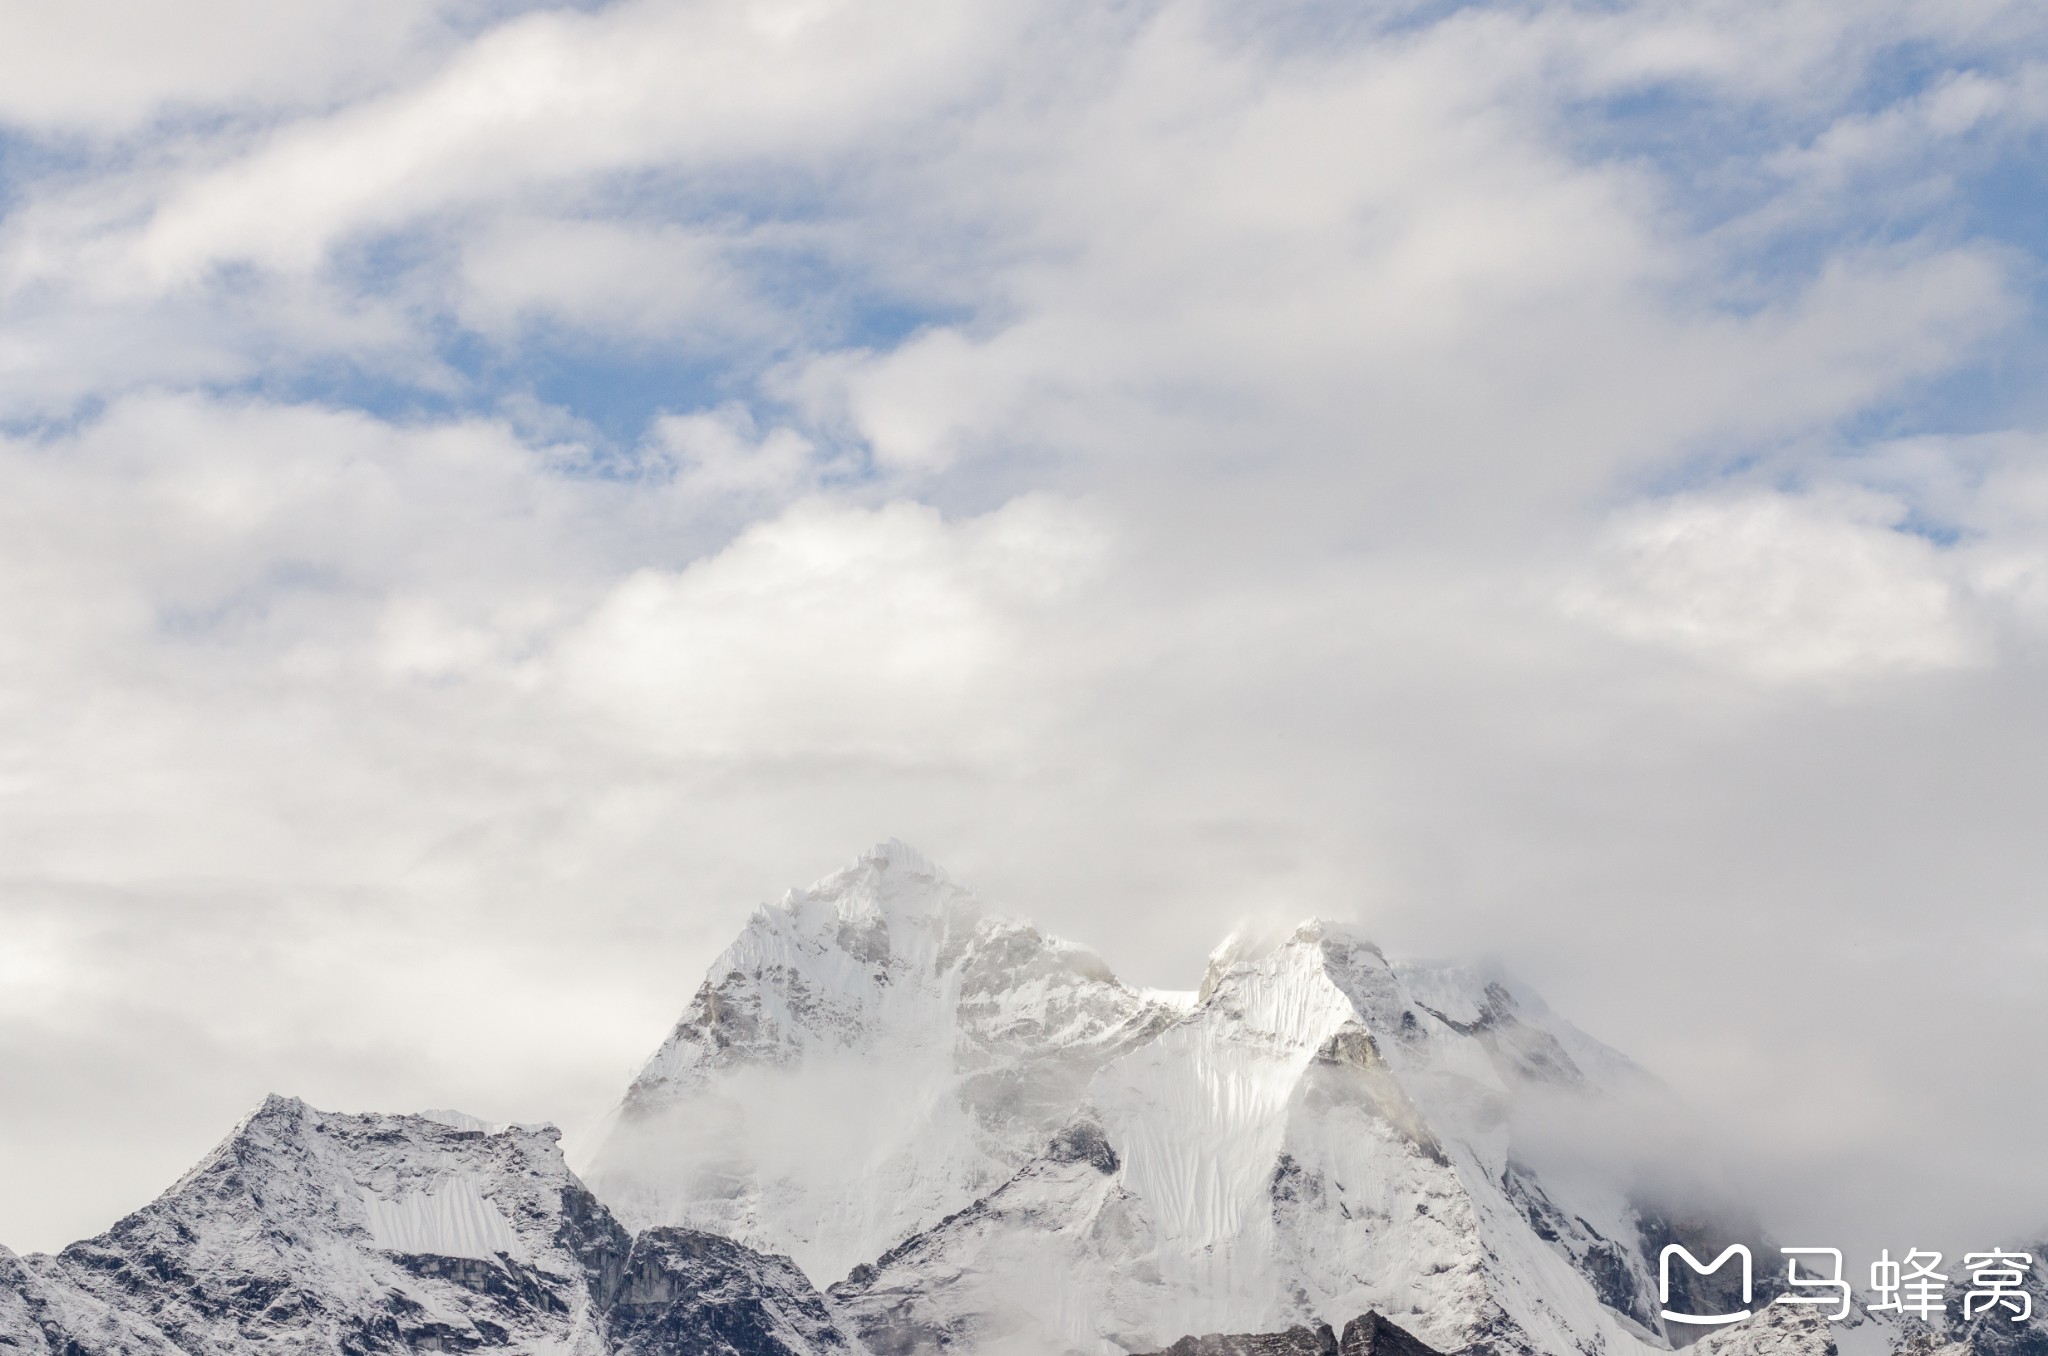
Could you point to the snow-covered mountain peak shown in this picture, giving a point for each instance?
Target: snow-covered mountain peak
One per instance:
(891, 881)
(943, 1043)
(1324, 1131)
(1277, 988)
(412, 1184)
(308, 1230)
(903, 856)
(1421, 1013)
(1314, 948)
(1250, 943)
(991, 1138)
(884, 956)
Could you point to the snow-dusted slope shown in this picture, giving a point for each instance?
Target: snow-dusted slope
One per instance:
(1993, 1331)
(871, 1055)
(1323, 1135)
(1777, 1330)
(308, 1231)
(685, 1293)
(19, 1332)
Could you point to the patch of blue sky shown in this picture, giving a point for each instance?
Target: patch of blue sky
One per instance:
(1712, 155)
(46, 426)
(610, 388)
(386, 393)
(1699, 470)
(609, 391)
(1999, 388)
(2005, 198)
(1998, 197)
(1855, 449)
(780, 238)
(393, 263)
(832, 303)
(1917, 524)
(28, 159)
(1712, 148)
(616, 390)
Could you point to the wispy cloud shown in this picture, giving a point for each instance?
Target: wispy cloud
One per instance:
(491, 498)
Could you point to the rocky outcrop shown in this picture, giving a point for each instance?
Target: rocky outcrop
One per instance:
(684, 1291)
(1367, 1335)
(1777, 1330)
(20, 1333)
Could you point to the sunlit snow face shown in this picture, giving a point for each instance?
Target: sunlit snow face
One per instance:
(490, 499)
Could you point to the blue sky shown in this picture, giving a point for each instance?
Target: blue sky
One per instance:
(493, 497)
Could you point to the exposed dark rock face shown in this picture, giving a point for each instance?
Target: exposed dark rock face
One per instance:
(20, 1333)
(1367, 1335)
(1083, 1142)
(1372, 1335)
(1296, 1341)
(684, 1291)
(597, 1241)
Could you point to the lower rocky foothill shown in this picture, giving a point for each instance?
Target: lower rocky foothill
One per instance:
(1366, 1335)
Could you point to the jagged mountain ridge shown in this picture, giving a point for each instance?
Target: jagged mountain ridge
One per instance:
(313, 1231)
(1314, 1134)
(1315, 1137)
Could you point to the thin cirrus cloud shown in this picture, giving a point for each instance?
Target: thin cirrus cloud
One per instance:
(554, 96)
(1534, 477)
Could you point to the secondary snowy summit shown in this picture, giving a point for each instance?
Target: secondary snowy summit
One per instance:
(308, 1231)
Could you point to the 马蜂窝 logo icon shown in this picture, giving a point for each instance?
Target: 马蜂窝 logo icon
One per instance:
(1702, 1269)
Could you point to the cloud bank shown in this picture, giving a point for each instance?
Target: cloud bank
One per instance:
(491, 499)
